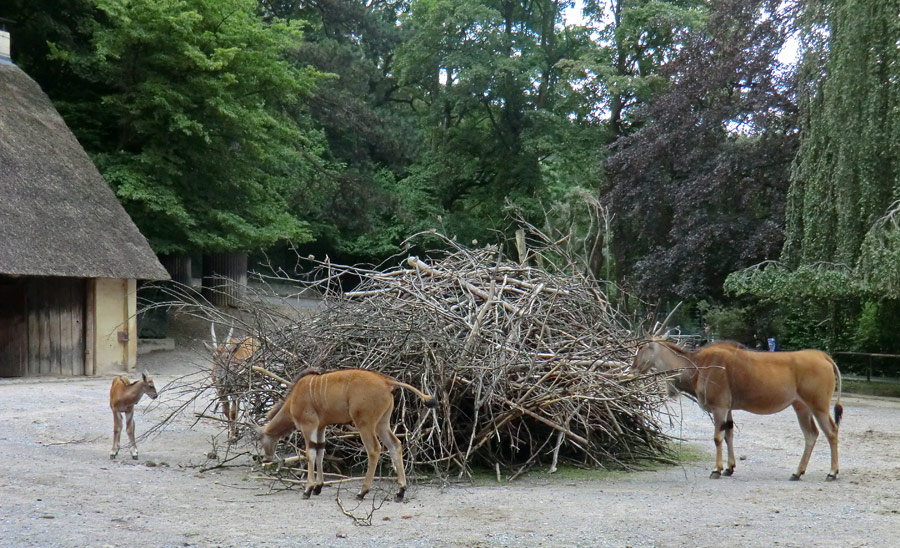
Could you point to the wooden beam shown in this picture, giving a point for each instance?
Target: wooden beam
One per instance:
(90, 327)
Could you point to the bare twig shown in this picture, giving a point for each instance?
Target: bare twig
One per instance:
(521, 358)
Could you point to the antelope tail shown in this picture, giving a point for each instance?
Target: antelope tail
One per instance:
(838, 408)
(430, 401)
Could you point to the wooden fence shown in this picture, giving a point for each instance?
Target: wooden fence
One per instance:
(870, 357)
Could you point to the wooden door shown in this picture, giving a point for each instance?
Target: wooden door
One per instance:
(56, 308)
(13, 331)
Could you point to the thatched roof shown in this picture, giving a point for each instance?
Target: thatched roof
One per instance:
(58, 217)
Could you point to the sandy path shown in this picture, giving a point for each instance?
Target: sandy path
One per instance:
(59, 489)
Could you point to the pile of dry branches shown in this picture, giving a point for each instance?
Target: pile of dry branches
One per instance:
(529, 363)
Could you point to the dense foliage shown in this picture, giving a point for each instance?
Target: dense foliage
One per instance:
(662, 140)
(839, 266)
(698, 189)
(847, 171)
(845, 177)
(222, 127)
(194, 115)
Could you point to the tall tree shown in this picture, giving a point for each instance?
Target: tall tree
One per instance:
(364, 113)
(841, 237)
(633, 41)
(490, 81)
(847, 172)
(842, 249)
(193, 114)
(638, 38)
(697, 190)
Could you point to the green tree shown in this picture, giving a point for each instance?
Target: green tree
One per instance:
(366, 117)
(847, 172)
(637, 38)
(194, 114)
(490, 80)
(846, 177)
(839, 269)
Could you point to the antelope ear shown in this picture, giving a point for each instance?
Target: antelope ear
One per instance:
(144, 374)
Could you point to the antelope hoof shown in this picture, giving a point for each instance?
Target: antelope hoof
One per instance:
(795, 477)
(729, 471)
(361, 495)
(306, 493)
(134, 456)
(831, 477)
(400, 493)
(715, 474)
(317, 489)
(112, 456)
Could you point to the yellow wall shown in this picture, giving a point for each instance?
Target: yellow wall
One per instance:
(115, 307)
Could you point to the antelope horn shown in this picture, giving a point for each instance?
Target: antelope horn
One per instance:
(660, 328)
(212, 330)
(228, 337)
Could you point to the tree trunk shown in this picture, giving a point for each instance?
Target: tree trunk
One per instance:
(178, 267)
(224, 278)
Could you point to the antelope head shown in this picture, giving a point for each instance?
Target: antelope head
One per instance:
(214, 348)
(149, 387)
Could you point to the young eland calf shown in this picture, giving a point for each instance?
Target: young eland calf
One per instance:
(123, 396)
(358, 396)
(725, 376)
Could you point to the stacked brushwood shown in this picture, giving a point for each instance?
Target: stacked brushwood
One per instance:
(529, 364)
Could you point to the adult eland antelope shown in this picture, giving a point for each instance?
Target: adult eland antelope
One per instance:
(123, 396)
(725, 376)
(358, 396)
(230, 359)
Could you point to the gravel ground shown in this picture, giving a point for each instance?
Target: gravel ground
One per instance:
(58, 487)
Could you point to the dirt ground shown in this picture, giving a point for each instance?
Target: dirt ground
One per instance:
(58, 487)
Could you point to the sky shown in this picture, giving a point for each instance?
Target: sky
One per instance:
(789, 53)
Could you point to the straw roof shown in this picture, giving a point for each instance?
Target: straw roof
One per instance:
(58, 217)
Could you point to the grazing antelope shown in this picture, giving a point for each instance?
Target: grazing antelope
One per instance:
(230, 360)
(123, 396)
(725, 376)
(358, 396)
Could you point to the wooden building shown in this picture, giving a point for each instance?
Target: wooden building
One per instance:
(70, 256)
